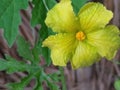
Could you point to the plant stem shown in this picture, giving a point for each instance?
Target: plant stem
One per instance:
(63, 81)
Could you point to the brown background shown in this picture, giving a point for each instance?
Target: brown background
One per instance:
(100, 76)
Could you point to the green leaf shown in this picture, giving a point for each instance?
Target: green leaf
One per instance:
(45, 52)
(53, 86)
(40, 10)
(20, 85)
(11, 65)
(33, 72)
(38, 85)
(38, 17)
(38, 13)
(117, 85)
(24, 49)
(36, 53)
(77, 4)
(55, 76)
(39, 80)
(51, 81)
(10, 17)
(49, 3)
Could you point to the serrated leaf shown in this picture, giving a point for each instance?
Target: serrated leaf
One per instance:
(51, 83)
(117, 85)
(26, 80)
(10, 17)
(77, 4)
(24, 49)
(20, 85)
(11, 65)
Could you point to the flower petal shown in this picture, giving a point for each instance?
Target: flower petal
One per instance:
(85, 55)
(94, 15)
(106, 41)
(62, 47)
(61, 17)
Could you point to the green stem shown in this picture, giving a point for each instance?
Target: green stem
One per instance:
(45, 5)
(63, 81)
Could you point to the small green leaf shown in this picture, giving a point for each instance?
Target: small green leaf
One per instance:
(24, 49)
(53, 86)
(117, 85)
(38, 85)
(55, 76)
(36, 53)
(26, 80)
(51, 81)
(46, 53)
(10, 17)
(11, 65)
(20, 85)
(77, 4)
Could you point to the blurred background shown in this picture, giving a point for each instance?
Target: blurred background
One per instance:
(100, 76)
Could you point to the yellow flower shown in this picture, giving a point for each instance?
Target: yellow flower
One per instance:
(81, 39)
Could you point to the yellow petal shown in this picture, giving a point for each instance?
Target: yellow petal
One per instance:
(62, 47)
(61, 17)
(94, 15)
(85, 55)
(106, 41)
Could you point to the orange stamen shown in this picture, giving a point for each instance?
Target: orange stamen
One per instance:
(80, 35)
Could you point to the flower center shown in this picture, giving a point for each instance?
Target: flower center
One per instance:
(80, 35)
